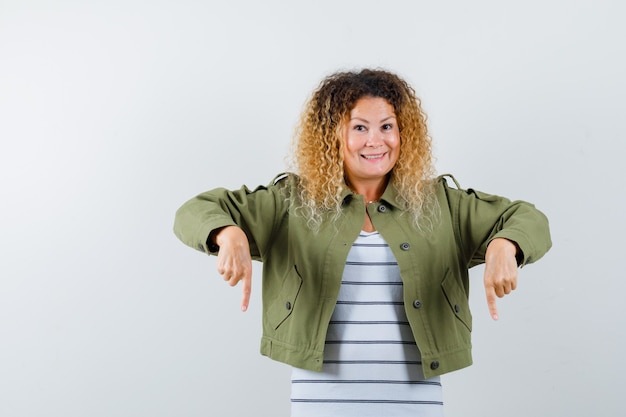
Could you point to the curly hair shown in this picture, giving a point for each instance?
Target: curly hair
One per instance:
(318, 145)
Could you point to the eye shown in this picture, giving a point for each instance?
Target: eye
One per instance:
(360, 128)
(387, 126)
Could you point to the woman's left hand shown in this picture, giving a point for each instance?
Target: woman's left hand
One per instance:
(500, 271)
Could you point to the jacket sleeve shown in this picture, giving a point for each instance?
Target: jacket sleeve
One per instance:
(479, 218)
(257, 212)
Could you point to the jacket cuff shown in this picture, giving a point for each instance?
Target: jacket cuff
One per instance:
(204, 237)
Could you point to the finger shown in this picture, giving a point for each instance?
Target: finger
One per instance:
(246, 290)
(508, 285)
(224, 268)
(491, 302)
(229, 272)
(227, 275)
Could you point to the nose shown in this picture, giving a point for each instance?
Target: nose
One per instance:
(374, 139)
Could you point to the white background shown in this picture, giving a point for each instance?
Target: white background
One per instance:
(113, 113)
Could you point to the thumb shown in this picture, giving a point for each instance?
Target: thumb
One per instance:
(491, 302)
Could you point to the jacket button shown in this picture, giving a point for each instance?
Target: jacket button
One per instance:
(417, 304)
(457, 308)
(434, 365)
(405, 246)
(382, 208)
(288, 305)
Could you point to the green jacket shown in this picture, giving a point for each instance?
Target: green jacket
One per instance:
(302, 270)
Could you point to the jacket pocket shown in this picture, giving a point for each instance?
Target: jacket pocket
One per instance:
(457, 299)
(284, 304)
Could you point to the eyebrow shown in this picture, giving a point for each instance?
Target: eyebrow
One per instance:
(367, 121)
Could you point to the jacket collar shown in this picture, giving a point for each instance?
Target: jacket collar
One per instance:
(390, 196)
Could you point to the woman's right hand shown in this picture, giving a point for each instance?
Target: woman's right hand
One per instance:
(234, 262)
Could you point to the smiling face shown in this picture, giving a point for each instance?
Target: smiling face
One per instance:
(371, 145)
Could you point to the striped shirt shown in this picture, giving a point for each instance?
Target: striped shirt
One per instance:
(372, 366)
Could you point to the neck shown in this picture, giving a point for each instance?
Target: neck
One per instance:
(370, 190)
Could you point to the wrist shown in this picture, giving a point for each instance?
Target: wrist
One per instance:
(509, 247)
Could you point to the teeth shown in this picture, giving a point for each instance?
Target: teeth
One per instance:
(372, 156)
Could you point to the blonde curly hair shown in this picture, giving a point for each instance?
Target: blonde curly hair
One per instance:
(318, 146)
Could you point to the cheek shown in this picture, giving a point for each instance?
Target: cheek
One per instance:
(351, 144)
(394, 143)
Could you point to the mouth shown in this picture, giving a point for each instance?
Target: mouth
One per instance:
(373, 157)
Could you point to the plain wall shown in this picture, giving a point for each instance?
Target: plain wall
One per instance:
(113, 113)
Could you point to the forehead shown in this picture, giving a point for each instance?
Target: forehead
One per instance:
(372, 107)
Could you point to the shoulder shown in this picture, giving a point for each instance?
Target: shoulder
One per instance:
(285, 179)
(451, 185)
(286, 184)
(448, 181)
(463, 201)
(280, 177)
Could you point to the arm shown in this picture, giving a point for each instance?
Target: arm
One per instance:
(480, 218)
(237, 226)
(257, 213)
(499, 232)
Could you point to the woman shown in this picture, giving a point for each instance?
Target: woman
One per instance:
(365, 253)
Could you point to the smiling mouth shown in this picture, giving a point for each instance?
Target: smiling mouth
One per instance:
(372, 157)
